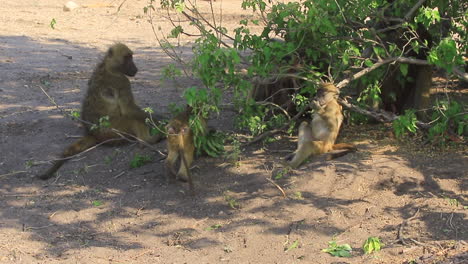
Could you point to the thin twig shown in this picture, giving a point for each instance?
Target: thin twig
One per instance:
(417, 242)
(18, 195)
(12, 173)
(277, 106)
(120, 6)
(173, 54)
(195, 11)
(406, 18)
(89, 149)
(376, 65)
(265, 134)
(277, 186)
(461, 74)
(143, 253)
(400, 237)
(57, 178)
(118, 175)
(38, 227)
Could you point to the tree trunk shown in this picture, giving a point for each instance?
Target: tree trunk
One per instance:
(422, 91)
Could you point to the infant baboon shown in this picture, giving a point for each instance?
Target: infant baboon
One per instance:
(109, 94)
(320, 135)
(180, 147)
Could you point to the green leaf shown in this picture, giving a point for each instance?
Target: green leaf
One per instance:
(215, 226)
(406, 122)
(404, 69)
(175, 32)
(148, 110)
(97, 203)
(379, 51)
(179, 6)
(368, 63)
(345, 58)
(445, 55)
(338, 250)
(372, 244)
(75, 114)
(293, 246)
(139, 160)
(343, 253)
(104, 121)
(346, 247)
(52, 23)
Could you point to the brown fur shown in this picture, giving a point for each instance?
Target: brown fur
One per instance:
(320, 135)
(278, 91)
(109, 94)
(180, 146)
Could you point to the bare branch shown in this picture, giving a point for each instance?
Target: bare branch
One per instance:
(462, 75)
(343, 83)
(406, 18)
(277, 106)
(410, 13)
(265, 134)
(172, 53)
(277, 186)
(380, 115)
(359, 74)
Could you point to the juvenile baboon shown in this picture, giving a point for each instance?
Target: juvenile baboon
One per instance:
(180, 147)
(109, 94)
(320, 135)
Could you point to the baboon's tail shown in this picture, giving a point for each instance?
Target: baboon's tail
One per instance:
(79, 146)
(183, 161)
(348, 148)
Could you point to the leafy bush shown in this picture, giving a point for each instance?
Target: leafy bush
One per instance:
(405, 123)
(372, 244)
(336, 250)
(139, 160)
(451, 119)
(311, 41)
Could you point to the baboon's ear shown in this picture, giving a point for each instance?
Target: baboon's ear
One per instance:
(170, 130)
(110, 52)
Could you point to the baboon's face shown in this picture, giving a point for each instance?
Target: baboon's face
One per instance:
(177, 129)
(120, 58)
(326, 92)
(129, 68)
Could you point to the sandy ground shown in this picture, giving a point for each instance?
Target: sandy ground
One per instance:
(98, 210)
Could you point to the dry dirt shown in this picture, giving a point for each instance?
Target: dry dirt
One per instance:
(99, 211)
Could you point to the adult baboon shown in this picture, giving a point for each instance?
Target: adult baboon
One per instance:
(109, 95)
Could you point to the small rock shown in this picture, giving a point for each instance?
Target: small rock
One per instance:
(69, 6)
